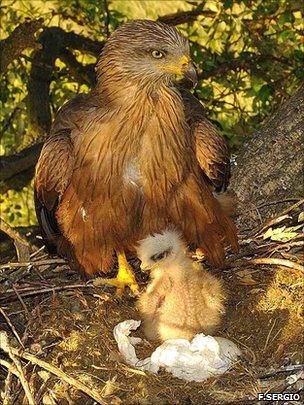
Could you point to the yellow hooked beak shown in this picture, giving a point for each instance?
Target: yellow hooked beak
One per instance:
(184, 68)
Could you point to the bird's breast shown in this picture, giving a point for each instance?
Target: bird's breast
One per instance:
(132, 174)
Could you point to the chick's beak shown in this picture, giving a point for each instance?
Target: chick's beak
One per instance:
(144, 267)
(189, 73)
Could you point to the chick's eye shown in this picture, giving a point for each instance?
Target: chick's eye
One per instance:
(162, 255)
(157, 54)
(158, 256)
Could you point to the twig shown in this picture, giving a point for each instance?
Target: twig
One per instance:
(21, 301)
(269, 333)
(12, 233)
(42, 390)
(274, 221)
(14, 265)
(11, 326)
(9, 120)
(271, 261)
(286, 369)
(13, 353)
(106, 17)
(91, 392)
(13, 370)
(278, 202)
(7, 389)
(26, 292)
(280, 262)
(21, 244)
(287, 256)
(34, 254)
(287, 246)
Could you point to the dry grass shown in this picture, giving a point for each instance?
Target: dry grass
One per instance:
(72, 329)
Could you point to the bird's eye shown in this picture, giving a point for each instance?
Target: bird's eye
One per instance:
(157, 54)
(158, 256)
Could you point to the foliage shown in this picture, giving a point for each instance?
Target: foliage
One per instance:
(18, 207)
(284, 233)
(249, 55)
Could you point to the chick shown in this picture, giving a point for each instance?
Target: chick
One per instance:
(182, 298)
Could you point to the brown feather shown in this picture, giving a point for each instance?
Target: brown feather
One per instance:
(212, 150)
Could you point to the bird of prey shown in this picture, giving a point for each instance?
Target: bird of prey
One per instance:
(181, 299)
(133, 156)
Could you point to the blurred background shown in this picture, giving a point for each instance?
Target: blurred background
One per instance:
(249, 56)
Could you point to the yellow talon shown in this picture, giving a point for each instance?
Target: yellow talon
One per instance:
(125, 277)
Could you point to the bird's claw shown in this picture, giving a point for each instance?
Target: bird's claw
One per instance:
(119, 284)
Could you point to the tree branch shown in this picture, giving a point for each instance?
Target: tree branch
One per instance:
(54, 41)
(22, 37)
(13, 164)
(182, 17)
(83, 74)
(17, 170)
(251, 63)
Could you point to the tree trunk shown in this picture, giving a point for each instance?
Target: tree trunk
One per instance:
(270, 164)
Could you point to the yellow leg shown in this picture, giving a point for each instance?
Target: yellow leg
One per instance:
(125, 277)
(197, 266)
(199, 254)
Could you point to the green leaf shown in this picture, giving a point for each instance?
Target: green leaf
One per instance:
(228, 4)
(270, 232)
(265, 92)
(282, 234)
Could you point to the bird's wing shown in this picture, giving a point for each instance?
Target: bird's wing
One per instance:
(53, 173)
(212, 150)
(213, 154)
(55, 166)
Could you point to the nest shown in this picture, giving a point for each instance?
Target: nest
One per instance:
(57, 345)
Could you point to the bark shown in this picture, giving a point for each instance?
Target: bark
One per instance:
(21, 38)
(270, 164)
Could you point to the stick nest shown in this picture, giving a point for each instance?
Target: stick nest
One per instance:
(57, 346)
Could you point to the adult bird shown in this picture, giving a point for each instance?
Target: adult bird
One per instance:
(132, 157)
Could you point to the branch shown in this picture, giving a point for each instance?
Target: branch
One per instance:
(17, 182)
(249, 63)
(9, 120)
(182, 17)
(22, 37)
(16, 171)
(91, 392)
(18, 370)
(54, 41)
(12, 165)
(11, 368)
(21, 244)
(83, 74)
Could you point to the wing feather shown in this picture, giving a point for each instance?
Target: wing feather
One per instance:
(54, 168)
(53, 174)
(212, 150)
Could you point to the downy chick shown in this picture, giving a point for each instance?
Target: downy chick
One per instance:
(182, 299)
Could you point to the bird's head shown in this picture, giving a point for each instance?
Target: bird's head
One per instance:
(160, 249)
(147, 51)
